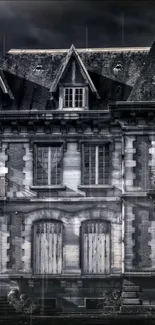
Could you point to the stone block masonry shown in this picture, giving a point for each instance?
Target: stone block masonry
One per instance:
(142, 248)
(15, 166)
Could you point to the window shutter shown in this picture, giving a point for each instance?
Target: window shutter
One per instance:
(47, 248)
(96, 247)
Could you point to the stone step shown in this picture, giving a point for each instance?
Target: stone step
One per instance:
(131, 288)
(126, 309)
(129, 294)
(134, 301)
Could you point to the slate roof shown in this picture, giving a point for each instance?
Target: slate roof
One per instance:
(29, 74)
(27, 94)
(41, 66)
(144, 88)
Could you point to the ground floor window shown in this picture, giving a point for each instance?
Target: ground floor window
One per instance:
(47, 247)
(95, 247)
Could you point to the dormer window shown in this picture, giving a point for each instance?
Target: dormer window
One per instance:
(74, 97)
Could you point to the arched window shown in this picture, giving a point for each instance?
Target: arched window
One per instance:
(95, 247)
(47, 247)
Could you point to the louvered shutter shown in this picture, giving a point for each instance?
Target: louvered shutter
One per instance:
(47, 248)
(96, 247)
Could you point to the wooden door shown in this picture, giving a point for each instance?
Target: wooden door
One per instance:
(47, 248)
(96, 247)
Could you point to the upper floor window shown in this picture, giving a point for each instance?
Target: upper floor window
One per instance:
(74, 97)
(48, 165)
(96, 164)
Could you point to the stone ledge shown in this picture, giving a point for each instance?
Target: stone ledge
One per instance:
(133, 309)
(129, 294)
(134, 301)
(131, 288)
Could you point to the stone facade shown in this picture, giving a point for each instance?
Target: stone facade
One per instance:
(125, 202)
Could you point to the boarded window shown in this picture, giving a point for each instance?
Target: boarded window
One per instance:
(96, 164)
(47, 248)
(48, 165)
(96, 247)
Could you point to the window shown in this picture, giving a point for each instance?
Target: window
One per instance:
(74, 97)
(96, 247)
(47, 247)
(96, 164)
(48, 165)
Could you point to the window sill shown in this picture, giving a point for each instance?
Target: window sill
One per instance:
(47, 187)
(95, 187)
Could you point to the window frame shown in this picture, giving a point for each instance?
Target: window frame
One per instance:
(97, 143)
(48, 144)
(73, 88)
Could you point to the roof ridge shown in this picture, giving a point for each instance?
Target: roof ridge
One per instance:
(106, 49)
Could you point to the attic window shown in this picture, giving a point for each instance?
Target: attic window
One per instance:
(117, 69)
(74, 97)
(119, 66)
(39, 67)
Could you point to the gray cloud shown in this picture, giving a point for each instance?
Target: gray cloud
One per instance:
(58, 24)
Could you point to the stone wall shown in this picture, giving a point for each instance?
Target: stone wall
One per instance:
(138, 237)
(19, 237)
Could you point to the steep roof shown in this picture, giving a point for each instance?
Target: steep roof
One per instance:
(4, 85)
(144, 88)
(63, 67)
(41, 66)
(27, 95)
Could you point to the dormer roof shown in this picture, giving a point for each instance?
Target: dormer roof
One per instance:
(63, 68)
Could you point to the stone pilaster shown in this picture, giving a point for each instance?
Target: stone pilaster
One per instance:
(152, 161)
(28, 168)
(129, 162)
(4, 244)
(116, 164)
(129, 237)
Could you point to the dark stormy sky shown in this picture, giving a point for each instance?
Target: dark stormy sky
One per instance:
(58, 24)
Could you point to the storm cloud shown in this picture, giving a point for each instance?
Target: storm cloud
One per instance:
(92, 23)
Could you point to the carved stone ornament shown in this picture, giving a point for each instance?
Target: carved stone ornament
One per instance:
(21, 303)
(112, 298)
